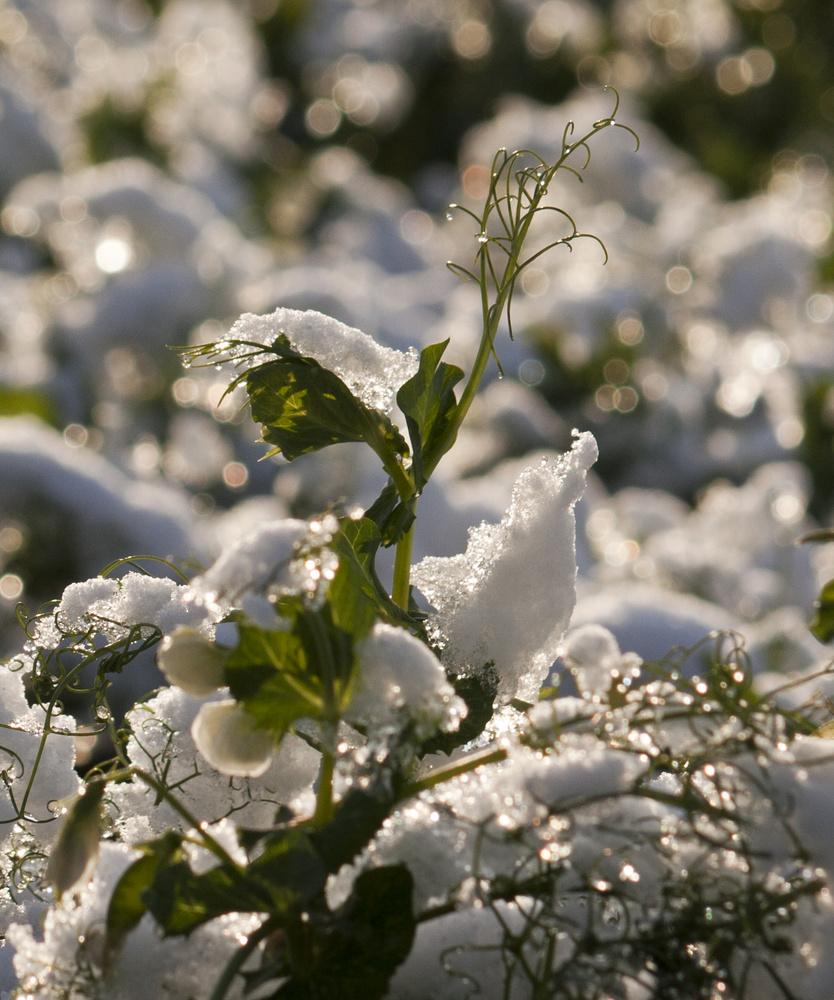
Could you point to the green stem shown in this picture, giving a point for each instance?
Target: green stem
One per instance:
(324, 796)
(221, 987)
(402, 569)
(489, 755)
(402, 480)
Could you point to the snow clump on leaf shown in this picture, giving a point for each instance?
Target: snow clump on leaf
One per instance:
(372, 373)
(400, 674)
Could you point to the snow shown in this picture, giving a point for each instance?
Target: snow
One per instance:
(372, 373)
(400, 676)
(480, 626)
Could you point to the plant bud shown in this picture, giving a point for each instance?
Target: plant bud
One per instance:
(226, 735)
(75, 852)
(191, 662)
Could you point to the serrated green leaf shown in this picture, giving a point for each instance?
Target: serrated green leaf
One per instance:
(822, 624)
(428, 402)
(304, 406)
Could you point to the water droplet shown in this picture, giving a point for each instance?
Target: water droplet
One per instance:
(449, 215)
(482, 238)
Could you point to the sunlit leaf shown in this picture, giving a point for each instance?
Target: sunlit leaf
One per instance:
(822, 624)
(304, 407)
(428, 401)
(282, 676)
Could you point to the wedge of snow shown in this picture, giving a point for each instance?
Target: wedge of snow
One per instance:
(505, 603)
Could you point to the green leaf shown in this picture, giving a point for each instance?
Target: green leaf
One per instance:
(373, 936)
(280, 677)
(359, 816)
(356, 596)
(283, 878)
(267, 673)
(428, 401)
(347, 954)
(822, 624)
(479, 693)
(304, 407)
(127, 905)
(289, 869)
(392, 515)
(180, 901)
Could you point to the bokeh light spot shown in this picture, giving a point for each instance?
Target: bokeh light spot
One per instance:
(113, 255)
(323, 118)
(11, 586)
(531, 371)
(235, 475)
(679, 280)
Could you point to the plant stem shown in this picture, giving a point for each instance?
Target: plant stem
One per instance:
(233, 967)
(402, 569)
(324, 795)
(489, 755)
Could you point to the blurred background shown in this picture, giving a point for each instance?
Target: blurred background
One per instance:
(166, 166)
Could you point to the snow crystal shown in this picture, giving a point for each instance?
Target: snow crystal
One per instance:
(35, 777)
(371, 372)
(585, 770)
(162, 740)
(508, 599)
(70, 957)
